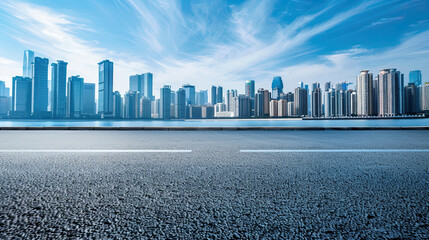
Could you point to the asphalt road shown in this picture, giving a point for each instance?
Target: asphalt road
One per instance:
(214, 184)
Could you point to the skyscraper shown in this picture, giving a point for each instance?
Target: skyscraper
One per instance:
(415, 77)
(353, 104)
(364, 91)
(282, 108)
(213, 95)
(105, 88)
(142, 83)
(137, 83)
(249, 88)
(424, 97)
(27, 70)
(148, 86)
(230, 94)
(75, 93)
(190, 94)
(277, 87)
(21, 96)
(202, 97)
(262, 103)
(117, 105)
(165, 102)
(411, 99)
(89, 106)
(145, 108)
(301, 102)
(316, 101)
(132, 105)
(391, 88)
(180, 104)
(39, 88)
(274, 108)
(219, 94)
(243, 106)
(58, 89)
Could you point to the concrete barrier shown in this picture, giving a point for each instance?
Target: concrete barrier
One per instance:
(214, 128)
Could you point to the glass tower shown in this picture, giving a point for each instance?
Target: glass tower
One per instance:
(39, 89)
(105, 88)
(415, 77)
(58, 89)
(27, 64)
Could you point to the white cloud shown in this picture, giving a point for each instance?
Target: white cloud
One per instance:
(386, 20)
(411, 54)
(229, 49)
(56, 36)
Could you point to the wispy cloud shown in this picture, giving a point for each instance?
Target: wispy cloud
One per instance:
(345, 65)
(57, 36)
(386, 20)
(200, 42)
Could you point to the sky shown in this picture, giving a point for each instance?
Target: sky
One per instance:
(209, 42)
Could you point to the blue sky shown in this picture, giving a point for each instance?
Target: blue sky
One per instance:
(218, 42)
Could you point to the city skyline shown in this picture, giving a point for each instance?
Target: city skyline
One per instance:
(384, 95)
(242, 51)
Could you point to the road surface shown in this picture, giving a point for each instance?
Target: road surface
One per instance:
(214, 184)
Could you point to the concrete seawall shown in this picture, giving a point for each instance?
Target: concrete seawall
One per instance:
(214, 128)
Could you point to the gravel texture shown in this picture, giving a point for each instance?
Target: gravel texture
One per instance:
(215, 192)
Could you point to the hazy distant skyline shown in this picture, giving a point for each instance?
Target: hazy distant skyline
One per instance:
(223, 43)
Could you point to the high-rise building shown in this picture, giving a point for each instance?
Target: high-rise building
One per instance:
(4, 91)
(391, 88)
(274, 108)
(230, 95)
(353, 103)
(27, 70)
(243, 106)
(249, 88)
(202, 97)
(190, 94)
(117, 108)
(411, 99)
(301, 102)
(155, 108)
(21, 96)
(219, 95)
(213, 95)
(282, 108)
(195, 112)
(375, 95)
(145, 108)
(39, 92)
(316, 101)
(105, 89)
(142, 83)
(173, 101)
(132, 105)
(58, 89)
(165, 102)
(89, 105)
(341, 100)
(4, 106)
(148, 85)
(329, 102)
(277, 87)
(262, 103)
(75, 91)
(180, 104)
(364, 91)
(207, 111)
(424, 97)
(415, 77)
(137, 84)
